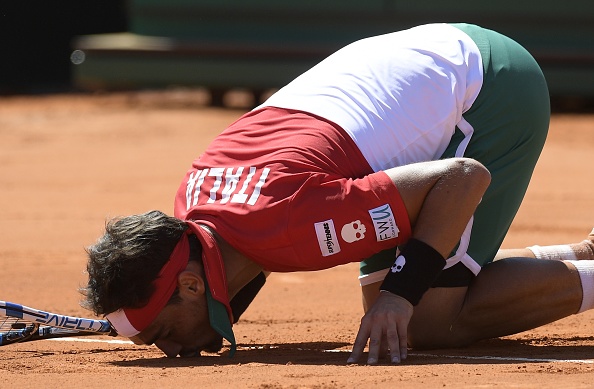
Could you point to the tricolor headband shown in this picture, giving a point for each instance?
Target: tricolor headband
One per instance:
(130, 322)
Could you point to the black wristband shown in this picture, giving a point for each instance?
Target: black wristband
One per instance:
(414, 271)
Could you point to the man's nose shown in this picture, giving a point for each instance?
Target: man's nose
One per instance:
(171, 349)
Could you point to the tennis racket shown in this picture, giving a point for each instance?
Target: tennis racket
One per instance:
(19, 323)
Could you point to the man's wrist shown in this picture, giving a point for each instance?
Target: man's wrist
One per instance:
(397, 296)
(414, 271)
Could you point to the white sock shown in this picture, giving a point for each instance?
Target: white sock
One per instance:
(562, 252)
(586, 271)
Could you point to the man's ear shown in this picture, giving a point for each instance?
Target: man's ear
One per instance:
(190, 284)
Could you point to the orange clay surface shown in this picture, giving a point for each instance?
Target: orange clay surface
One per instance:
(68, 163)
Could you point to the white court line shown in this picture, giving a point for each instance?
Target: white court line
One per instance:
(517, 359)
(86, 340)
(487, 357)
(482, 357)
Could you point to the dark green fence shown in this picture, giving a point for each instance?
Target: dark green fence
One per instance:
(262, 44)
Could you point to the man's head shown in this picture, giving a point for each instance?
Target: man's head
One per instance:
(147, 276)
(125, 261)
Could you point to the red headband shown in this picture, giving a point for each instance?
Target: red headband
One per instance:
(131, 321)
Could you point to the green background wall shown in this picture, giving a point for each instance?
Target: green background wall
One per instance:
(262, 44)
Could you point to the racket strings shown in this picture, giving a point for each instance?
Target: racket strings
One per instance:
(13, 330)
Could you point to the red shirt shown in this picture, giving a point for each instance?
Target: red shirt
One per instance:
(292, 192)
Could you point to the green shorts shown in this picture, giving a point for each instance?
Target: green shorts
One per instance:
(510, 118)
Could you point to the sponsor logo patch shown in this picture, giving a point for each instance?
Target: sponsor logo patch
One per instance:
(353, 231)
(327, 238)
(384, 223)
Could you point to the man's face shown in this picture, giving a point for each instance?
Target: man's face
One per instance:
(182, 329)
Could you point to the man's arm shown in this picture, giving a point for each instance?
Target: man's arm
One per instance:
(440, 198)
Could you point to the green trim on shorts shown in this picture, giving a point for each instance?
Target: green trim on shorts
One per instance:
(510, 118)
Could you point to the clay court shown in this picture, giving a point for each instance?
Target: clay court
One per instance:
(69, 162)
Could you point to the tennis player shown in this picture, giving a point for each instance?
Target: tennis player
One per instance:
(410, 152)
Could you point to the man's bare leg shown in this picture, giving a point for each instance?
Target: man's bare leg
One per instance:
(508, 296)
(513, 294)
(574, 251)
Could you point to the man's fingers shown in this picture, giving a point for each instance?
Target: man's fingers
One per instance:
(375, 341)
(384, 348)
(393, 336)
(403, 339)
(360, 343)
(386, 322)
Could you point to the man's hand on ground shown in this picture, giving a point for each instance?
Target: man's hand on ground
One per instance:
(387, 319)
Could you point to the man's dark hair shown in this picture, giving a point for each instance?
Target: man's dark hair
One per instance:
(124, 262)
